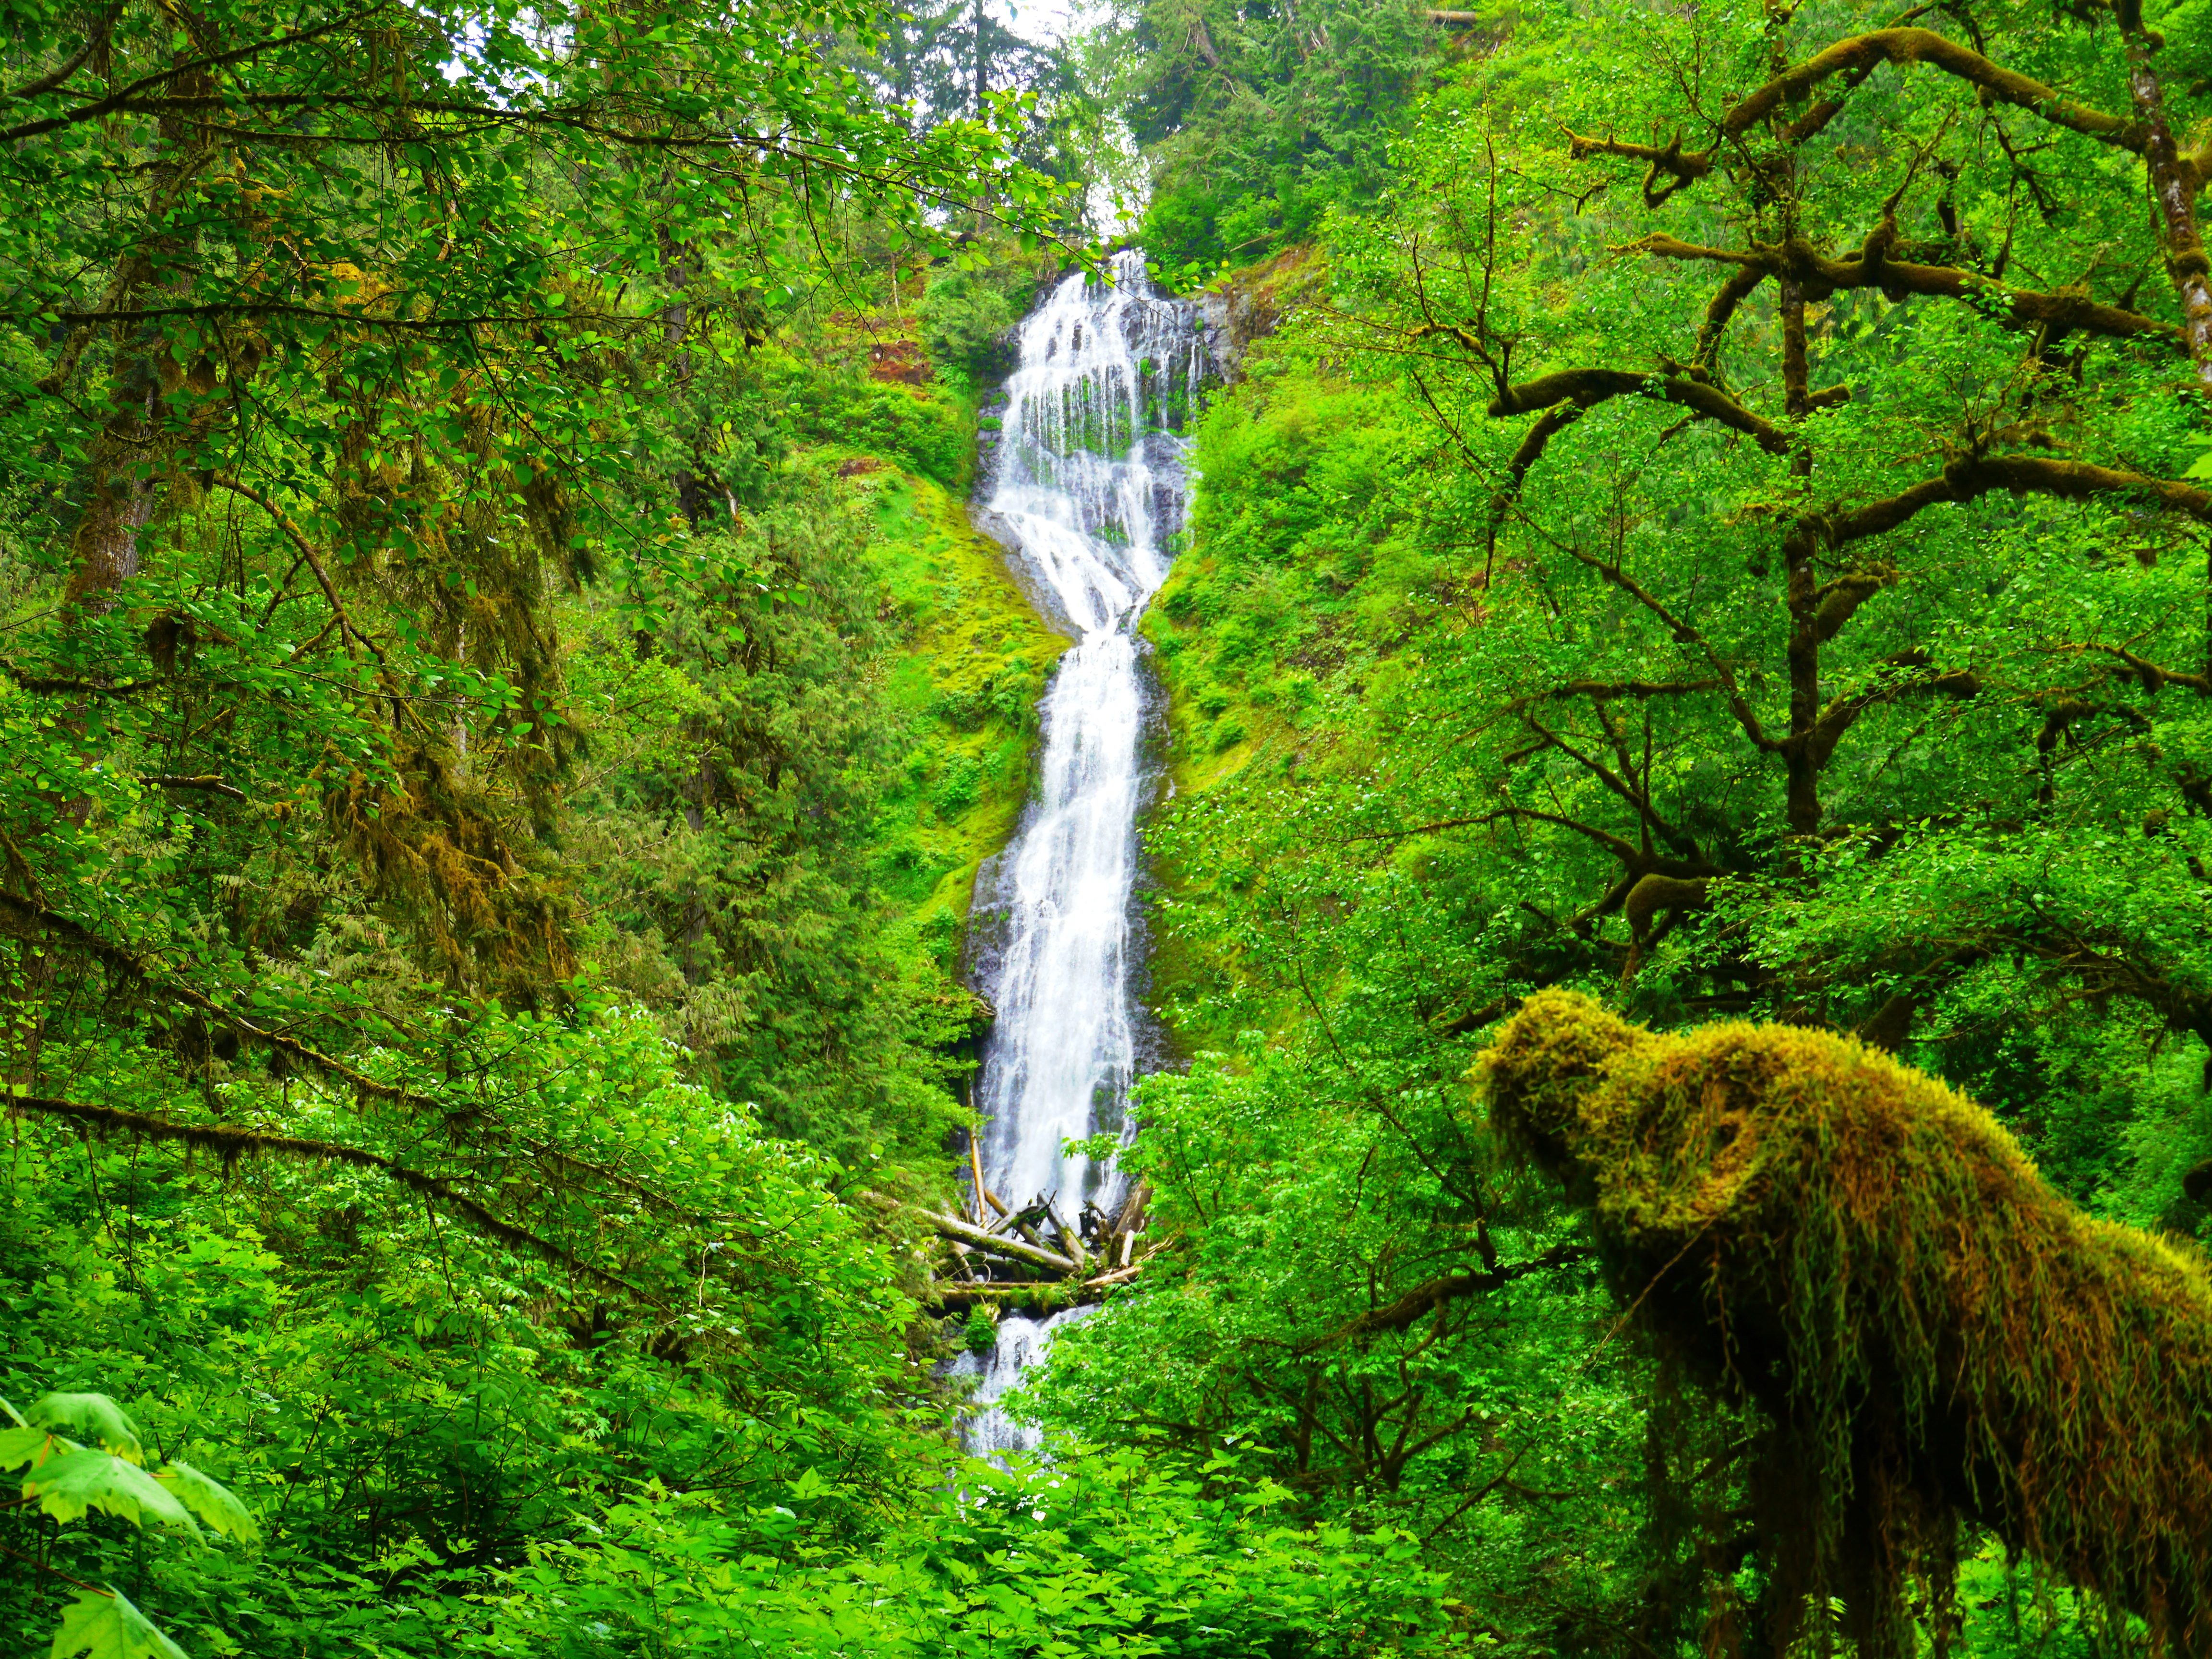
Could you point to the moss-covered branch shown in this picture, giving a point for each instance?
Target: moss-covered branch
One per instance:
(1856, 59)
(29, 916)
(1862, 52)
(1936, 1335)
(2065, 311)
(1587, 387)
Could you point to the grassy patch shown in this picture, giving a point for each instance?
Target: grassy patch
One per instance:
(968, 679)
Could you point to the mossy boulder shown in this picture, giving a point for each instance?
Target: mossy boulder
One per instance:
(1935, 1334)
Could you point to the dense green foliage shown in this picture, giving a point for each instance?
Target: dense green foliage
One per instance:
(485, 674)
(504, 706)
(1251, 122)
(1735, 553)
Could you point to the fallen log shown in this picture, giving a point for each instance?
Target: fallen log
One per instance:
(964, 1233)
(957, 1296)
(1071, 1239)
(967, 1232)
(1936, 1335)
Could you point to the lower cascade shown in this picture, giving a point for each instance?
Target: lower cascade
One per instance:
(1087, 491)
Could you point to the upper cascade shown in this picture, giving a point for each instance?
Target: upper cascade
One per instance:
(1090, 479)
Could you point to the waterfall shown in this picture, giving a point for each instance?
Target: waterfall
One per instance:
(1087, 490)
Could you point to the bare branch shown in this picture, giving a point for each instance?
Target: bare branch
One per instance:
(1420, 1302)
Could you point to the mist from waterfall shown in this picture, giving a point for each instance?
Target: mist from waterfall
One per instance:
(1088, 492)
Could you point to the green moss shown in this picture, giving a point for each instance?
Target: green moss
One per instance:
(1213, 728)
(975, 659)
(1937, 1335)
(1297, 585)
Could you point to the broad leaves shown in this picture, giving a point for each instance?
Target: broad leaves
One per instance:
(86, 1478)
(107, 1626)
(28, 1445)
(93, 1416)
(68, 1480)
(215, 1504)
(34, 1439)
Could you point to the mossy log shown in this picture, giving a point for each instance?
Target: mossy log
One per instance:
(1937, 1336)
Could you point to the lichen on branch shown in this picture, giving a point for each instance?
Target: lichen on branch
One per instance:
(1937, 1335)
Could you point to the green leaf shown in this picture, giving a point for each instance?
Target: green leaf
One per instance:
(93, 1416)
(32, 1446)
(2201, 467)
(90, 1479)
(211, 1500)
(109, 1627)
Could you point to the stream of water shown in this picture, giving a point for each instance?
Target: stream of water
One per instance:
(1087, 491)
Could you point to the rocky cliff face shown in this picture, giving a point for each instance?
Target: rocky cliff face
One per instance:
(1250, 304)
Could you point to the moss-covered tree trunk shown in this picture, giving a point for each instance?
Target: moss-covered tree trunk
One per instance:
(1938, 1337)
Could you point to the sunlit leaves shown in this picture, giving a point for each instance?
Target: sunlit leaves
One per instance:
(103, 1624)
(93, 1416)
(88, 1478)
(216, 1504)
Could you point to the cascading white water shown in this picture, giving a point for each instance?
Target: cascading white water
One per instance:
(1089, 489)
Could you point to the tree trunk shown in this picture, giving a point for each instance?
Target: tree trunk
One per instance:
(1803, 798)
(2173, 185)
(122, 497)
(982, 70)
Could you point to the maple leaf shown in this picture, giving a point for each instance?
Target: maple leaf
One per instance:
(213, 1502)
(94, 1417)
(107, 1626)
(90, 1479)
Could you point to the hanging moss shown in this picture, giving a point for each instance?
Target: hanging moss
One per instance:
(1937, 1335)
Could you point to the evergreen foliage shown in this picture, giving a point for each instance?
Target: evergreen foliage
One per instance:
(1254, 121)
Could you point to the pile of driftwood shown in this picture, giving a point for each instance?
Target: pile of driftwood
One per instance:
(1000, 1251)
